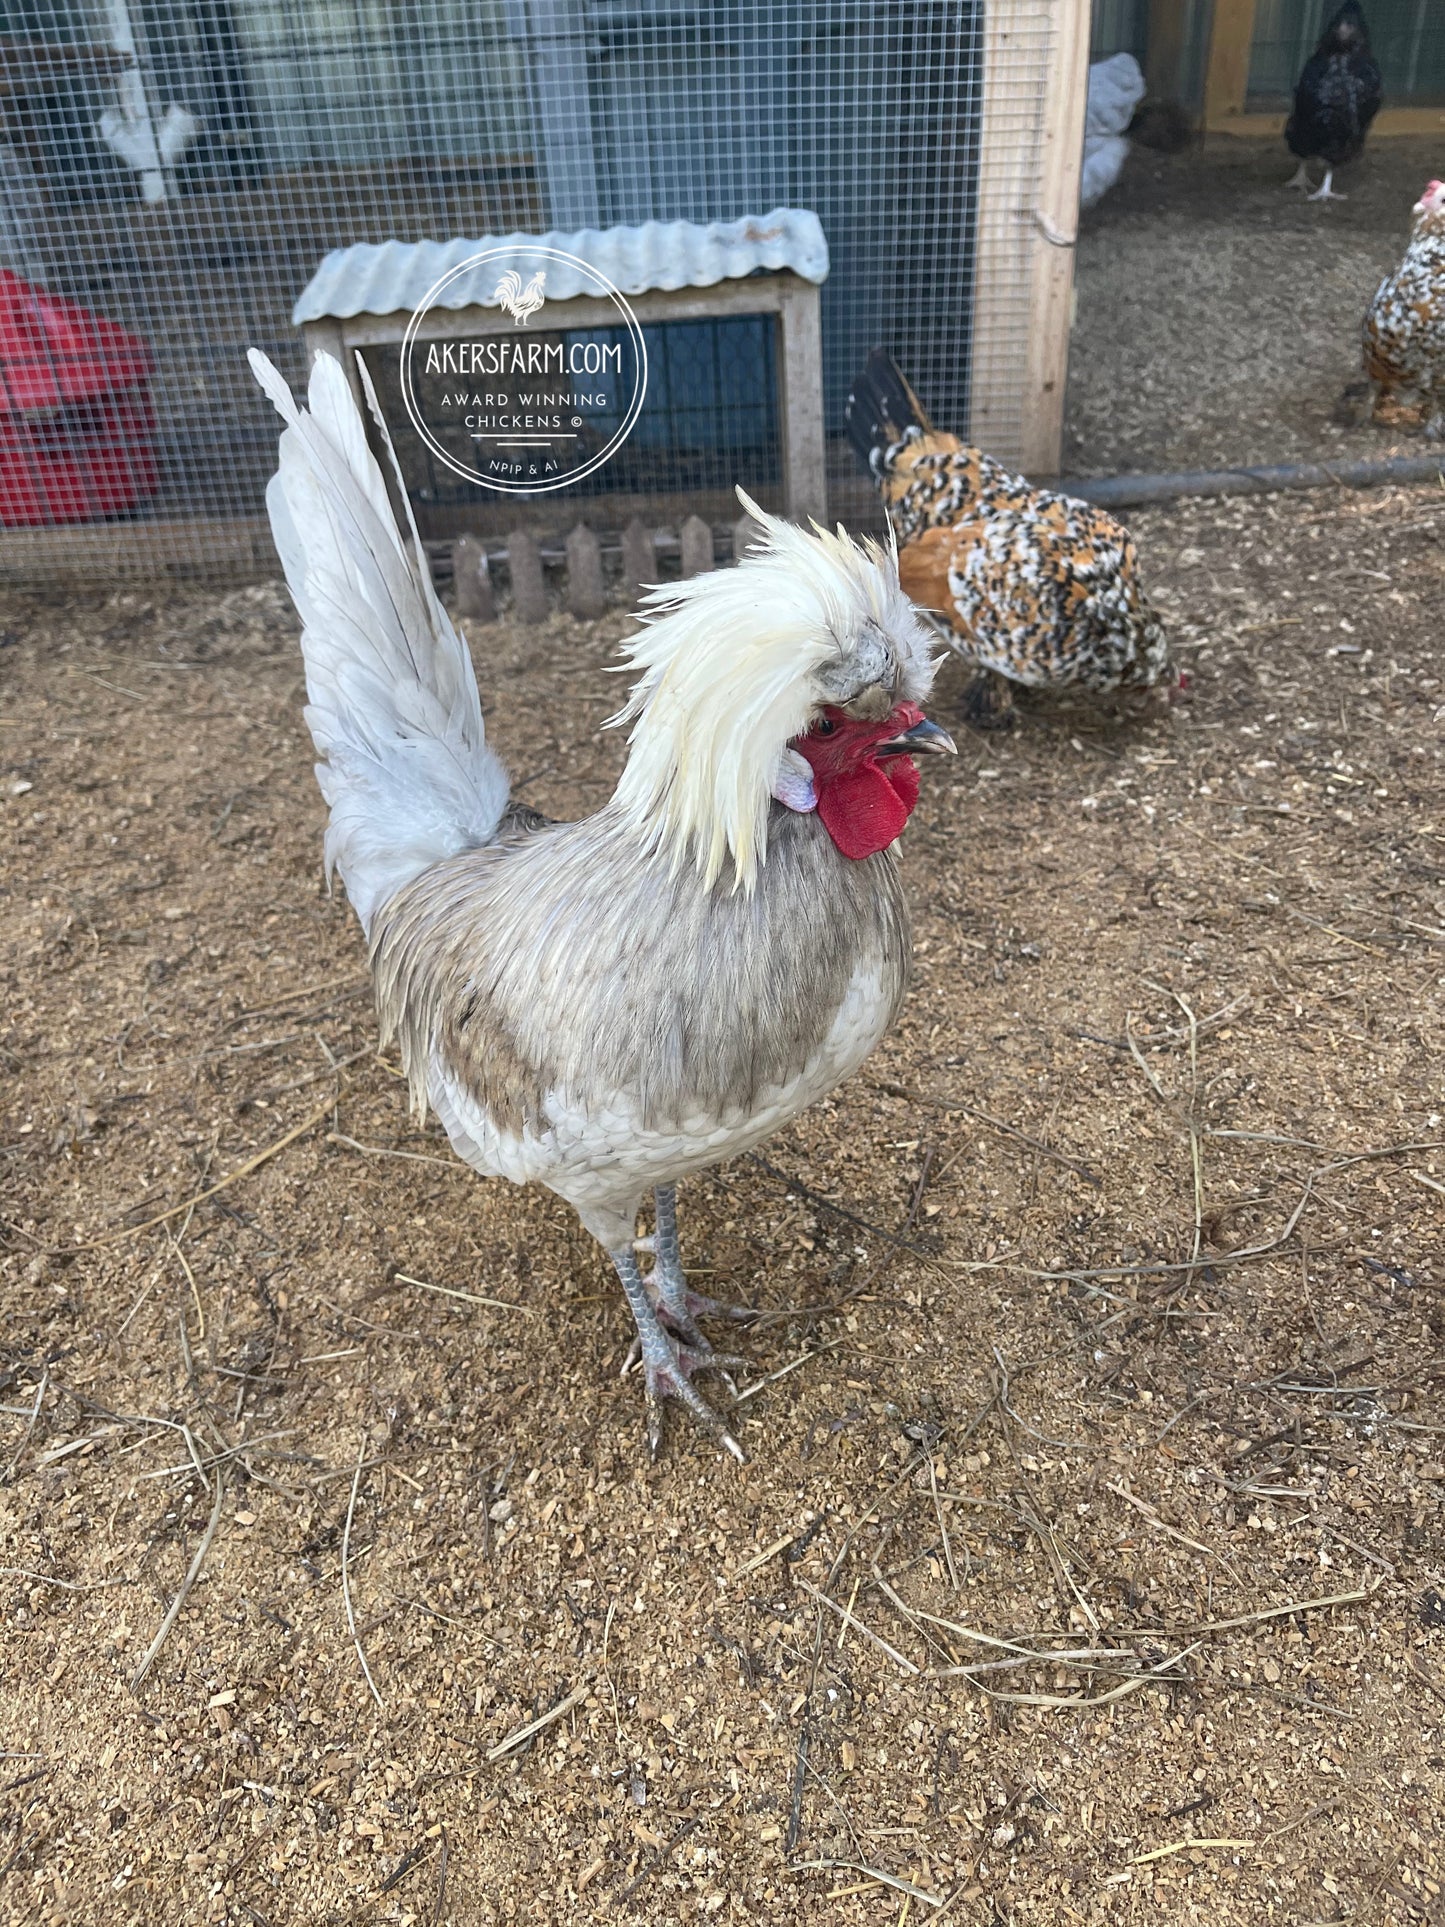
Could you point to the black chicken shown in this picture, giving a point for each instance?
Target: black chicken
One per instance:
(1336, 98)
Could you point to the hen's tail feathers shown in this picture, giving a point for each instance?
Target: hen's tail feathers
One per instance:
(881, 406)
(393, 706)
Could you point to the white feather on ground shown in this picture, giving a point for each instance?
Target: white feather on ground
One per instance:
(393, 710)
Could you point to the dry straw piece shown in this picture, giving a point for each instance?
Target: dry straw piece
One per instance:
(193, 1573)
(242, 1171)
(534, 1727)
(346, 1572)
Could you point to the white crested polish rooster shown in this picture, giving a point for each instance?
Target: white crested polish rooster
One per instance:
(609, 1005)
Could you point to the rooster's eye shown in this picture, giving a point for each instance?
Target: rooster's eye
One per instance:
(825, 726)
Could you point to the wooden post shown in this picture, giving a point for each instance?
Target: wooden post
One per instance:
(696, 546)
(639, 559)
(1226, 79)
(1057, 219)
(586, 596)
(324, 337)
(473, 579)
(559, 36)
(1020, 38)
(524, 562)
(800, 383)
(746, 535)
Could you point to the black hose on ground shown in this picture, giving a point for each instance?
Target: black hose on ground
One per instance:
(1132, 491)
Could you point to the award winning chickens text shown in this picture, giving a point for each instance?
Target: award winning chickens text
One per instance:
(525, 407)
(500, 416)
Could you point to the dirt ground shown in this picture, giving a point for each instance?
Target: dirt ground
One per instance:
(1088, 1566)
(1219, 312)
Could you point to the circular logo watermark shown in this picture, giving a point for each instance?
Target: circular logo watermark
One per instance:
(517, 405)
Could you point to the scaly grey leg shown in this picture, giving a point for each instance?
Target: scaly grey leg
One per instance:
(668, 1365)
(667, 1284)
(682, 1306)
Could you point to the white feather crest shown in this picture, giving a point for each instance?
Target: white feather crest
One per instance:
(736, 664)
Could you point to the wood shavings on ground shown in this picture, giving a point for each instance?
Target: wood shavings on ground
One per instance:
(1156, 1530)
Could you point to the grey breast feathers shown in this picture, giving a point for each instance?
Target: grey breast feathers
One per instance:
(562, 968)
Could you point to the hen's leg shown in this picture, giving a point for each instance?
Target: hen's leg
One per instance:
(988, 702)
(667, 1284)
(668, 1365)
(1300, 177)
(1324, 192)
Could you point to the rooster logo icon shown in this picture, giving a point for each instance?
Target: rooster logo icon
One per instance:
(521, 303)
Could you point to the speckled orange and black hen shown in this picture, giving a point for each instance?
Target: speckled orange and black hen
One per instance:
(1405, 327)
(1034, 587)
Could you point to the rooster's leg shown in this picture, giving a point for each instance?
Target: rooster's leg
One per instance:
(668, 1365)
(667, 1284)
(1300, 177)
(1325, 191)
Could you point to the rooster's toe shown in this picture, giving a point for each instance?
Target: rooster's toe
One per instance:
(670, 1376)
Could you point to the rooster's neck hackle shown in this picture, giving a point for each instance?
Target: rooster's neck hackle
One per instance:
(735, 665)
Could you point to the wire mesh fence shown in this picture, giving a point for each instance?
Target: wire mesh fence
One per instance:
(173, 171)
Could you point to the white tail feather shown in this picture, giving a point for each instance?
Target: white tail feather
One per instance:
(393, 709)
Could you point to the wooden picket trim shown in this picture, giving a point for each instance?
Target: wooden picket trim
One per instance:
(589, 572)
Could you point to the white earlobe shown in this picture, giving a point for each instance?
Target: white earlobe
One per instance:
(793, 783)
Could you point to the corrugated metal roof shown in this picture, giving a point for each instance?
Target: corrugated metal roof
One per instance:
(396, 276)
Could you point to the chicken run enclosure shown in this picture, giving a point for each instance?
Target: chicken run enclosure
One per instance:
(179, 168)
(1060, 1539)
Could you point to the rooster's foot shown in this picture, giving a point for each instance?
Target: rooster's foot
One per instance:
(1325, 192)
(668, 1364)
(680, 1307)
(668, 1373)
(1300, 177)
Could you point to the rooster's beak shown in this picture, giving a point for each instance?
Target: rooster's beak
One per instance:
(922, 736)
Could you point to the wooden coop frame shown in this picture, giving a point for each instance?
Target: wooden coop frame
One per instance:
(1034, 99)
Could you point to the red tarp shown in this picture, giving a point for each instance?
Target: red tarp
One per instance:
(77, 436)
